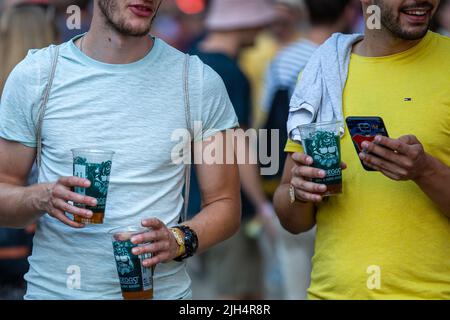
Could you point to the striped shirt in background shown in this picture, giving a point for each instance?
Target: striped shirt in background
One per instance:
(285, 68)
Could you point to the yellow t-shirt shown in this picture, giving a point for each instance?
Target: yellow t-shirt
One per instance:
(383, 239)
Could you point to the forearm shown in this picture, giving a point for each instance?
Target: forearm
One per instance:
(297, 217)
(435, 183)
(251, 184)
(19, 205)
(216, 222)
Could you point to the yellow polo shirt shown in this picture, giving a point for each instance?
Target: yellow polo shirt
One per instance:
(383, 239)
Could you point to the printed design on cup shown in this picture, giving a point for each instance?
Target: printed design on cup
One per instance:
(98, 174)
(325, 149)
(133, 276)
(124, 261)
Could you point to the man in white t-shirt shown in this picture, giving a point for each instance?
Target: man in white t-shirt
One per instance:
(115, 88)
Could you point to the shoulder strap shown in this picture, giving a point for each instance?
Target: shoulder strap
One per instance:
(43, 106)
(187, 110)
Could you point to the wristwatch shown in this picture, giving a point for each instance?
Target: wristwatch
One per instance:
(190, 241)
(179, 237)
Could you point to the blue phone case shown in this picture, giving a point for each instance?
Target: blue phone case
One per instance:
(365, 129)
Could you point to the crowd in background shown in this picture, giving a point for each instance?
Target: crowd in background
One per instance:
(259, 63)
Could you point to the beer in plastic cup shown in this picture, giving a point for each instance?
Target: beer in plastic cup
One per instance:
(322, 142)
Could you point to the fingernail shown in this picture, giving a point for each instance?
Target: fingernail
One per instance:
(89, 214)
(322, 173)
(133, 239)
(87, 183)
(309, 160)
(378, 138)
(365, 145)
(135, 251)
(362, 156)
(93, 203)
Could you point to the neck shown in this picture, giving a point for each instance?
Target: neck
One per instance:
(380, 43)
(319, 34)
(222, 42)
(103, 43)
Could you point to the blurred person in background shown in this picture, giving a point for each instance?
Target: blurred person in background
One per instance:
(236, 265)
(23, 27)
(325, 18)
(442, 19)
(289, 22)
(181, 22)
(4, 4)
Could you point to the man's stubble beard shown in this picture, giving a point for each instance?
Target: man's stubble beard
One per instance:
(109, 7)
(393, 25)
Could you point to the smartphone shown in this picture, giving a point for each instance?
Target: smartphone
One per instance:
(365, 129)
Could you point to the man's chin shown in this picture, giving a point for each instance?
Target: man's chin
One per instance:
(135, 32)
(412, 34)
(139, 34)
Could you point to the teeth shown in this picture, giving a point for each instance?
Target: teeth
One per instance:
(416, 13)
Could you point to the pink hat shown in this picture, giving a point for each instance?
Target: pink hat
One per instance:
(225, 15)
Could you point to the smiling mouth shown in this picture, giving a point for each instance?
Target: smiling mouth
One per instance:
(417, 11)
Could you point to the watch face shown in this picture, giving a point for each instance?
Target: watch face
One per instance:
(190, 241)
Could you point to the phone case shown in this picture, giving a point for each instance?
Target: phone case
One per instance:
(365, 129)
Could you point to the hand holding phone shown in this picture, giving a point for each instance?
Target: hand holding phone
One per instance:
(365, 129)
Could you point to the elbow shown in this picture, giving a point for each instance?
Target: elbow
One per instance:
(294, 228)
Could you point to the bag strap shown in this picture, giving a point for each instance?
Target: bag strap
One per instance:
(187, 110)
(43, 105)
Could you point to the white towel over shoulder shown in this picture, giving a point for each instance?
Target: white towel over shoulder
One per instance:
(318, 95)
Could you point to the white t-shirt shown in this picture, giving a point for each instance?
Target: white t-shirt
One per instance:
(132, 109)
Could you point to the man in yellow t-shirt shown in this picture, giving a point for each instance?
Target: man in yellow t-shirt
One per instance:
(388, 235)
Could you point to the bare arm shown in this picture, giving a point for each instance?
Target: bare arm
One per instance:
(18, 204)
(249, 172)
(297, 217)
(22, 205)
(251, 184)
(436, 184)
(218, 220)
(220, 216)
